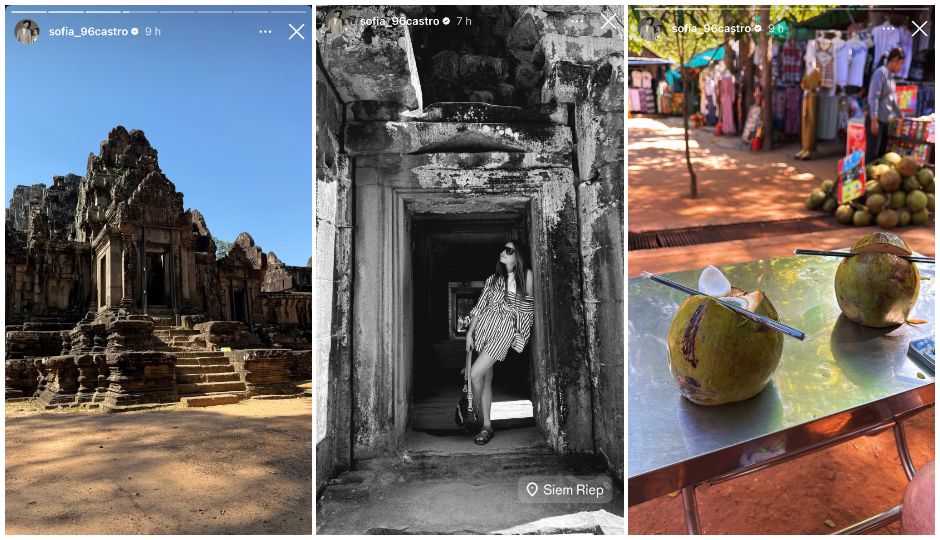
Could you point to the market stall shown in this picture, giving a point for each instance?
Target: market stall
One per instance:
(651, 85)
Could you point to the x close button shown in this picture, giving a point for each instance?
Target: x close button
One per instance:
(296, 31)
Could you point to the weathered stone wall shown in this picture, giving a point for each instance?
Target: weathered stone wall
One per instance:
(269, 371)
(600, 127)
(281, 277)
(48, 276)
(332, 282)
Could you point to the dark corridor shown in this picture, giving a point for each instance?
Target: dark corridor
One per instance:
(453, 256)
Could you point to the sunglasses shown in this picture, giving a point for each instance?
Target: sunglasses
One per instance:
(509, 250)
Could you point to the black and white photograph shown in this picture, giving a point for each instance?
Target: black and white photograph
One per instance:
(469, 269)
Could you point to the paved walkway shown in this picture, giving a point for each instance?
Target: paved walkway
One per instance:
(735, 185)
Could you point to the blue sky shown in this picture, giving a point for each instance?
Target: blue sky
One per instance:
(228, 110)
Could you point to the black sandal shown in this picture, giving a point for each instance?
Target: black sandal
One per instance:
(484, 436)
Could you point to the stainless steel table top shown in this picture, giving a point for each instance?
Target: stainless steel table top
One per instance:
(839, 367)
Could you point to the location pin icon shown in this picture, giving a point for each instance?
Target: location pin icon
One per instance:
(531, 488)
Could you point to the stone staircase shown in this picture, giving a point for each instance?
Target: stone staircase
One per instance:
(203, 378)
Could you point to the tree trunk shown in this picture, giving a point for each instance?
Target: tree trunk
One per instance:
(767, 121)
(747, 63)
(693, 184)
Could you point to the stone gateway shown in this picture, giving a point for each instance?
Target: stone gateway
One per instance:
(435, 146)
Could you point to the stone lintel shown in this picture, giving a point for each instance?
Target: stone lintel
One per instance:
(442, 137)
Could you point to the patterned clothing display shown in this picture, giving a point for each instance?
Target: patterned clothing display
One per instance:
(780, 108)
(791, 124)
(791, 61)
(826, 62)
(636, 105)
(504, 319)
(726, 96)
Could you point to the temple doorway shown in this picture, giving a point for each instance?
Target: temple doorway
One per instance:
(156, 279)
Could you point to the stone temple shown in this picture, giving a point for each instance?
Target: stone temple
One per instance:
(435, 145)
(115, 296)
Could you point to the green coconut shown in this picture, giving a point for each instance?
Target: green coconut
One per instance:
(898, 199)
(816, 199)
(917, 200)
(904, 217)
(890, 181)
(874, 203)
(929, 187)
(887, 219)
(880, 169)
(930, 197)
(872, 187)
(829, 206)
(919, 217)
(862, 218)
(877, 287)
(870, 171)
(907, 166)
(827, 186)
(910, 183)
(717, 356)
(844, 213)
(925, 176)
(892, 158)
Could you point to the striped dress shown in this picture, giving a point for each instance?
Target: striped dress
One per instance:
(504, 319)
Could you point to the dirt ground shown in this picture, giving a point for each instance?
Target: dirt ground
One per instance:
(844, 484)
(242, 468)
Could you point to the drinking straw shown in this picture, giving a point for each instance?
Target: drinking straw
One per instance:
(928, 260)
(782, 328)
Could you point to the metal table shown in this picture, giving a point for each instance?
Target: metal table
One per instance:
(843, 381)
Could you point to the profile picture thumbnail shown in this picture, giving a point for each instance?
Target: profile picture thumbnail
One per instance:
(26, 31)
(650, 28)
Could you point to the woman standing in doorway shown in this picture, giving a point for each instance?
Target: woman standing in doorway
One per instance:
(501, 319)
(882, 104)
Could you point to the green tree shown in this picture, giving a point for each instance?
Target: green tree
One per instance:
(221, 247)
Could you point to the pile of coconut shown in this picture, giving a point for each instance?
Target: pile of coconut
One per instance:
(898, 192)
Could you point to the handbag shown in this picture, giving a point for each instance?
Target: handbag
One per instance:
(465, 415)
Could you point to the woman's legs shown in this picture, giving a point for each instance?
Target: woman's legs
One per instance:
(478, 371)
(487, 395)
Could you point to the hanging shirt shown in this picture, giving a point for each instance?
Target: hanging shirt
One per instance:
(647, 79)
(637, 76)
(810, 56)
(886, 38)
(792, 63)
(906, 42)
(843, 53)
(825, 61)
(857, 58)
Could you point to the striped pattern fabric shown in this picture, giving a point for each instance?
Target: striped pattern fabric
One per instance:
(504, 319)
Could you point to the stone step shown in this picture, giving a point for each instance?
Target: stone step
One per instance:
(209, 400)
(207, 378)
(514, 452)
(206, 388)
(176, 333)
(198, 369)
(201, 354)
(200, 362)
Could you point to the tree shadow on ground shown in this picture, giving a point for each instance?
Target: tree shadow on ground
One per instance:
(176, 471)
